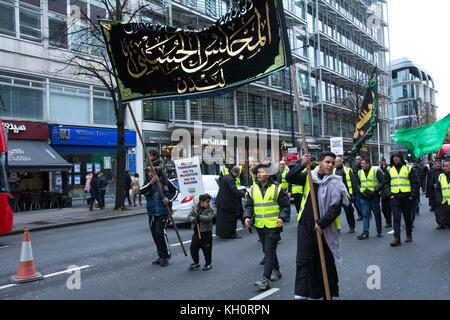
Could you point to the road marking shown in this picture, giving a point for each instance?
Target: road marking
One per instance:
(265, 294)
(50, 275)
(189, 241)
(6, 246)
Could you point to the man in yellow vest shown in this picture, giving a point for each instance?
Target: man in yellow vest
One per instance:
(370, 183)
(268, 204)
(226, 170)
(443, 196)
(403, 186)
(331, 194)
(348, 179)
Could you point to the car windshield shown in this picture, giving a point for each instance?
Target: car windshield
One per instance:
(3, 176)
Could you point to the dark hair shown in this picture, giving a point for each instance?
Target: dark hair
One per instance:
(326, 154)
(204, 197)
(367, 160)
(154, 152)
(136, 175)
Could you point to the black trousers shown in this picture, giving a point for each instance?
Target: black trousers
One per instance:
(269, 240)
(298, 200)
(387, 210)
(127, 195)
(349, 215)
(399, 206)
(205, 243)
(158, 227)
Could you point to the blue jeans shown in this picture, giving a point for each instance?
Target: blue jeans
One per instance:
(367, 206)
(358, 203)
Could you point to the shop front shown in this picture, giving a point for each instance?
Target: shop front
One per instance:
(161, 141)
(89, 150)
(36, 171)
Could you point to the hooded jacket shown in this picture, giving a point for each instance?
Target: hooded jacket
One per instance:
(411, 177)
(155, 206)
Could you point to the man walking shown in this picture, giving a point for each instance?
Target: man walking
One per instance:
(385, 196)
(287, 187)
(403, 185)
(356, 169)
(347, 178)
(102, 183)
(268, 203)
(331, 194)
(158, 215)
(128, 187)
(443, 196)
(370, 182)
(229, 205)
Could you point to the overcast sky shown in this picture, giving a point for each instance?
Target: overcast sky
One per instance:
(419, 30)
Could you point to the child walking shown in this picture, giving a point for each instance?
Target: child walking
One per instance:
(203, 218)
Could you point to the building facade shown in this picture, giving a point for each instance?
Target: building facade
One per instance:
(335, 46)
(413, 97)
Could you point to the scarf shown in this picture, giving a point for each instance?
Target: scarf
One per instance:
(331, 191)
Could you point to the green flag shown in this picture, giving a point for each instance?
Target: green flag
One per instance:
(425, 139)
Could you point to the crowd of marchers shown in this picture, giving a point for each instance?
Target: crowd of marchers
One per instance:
(393, 190)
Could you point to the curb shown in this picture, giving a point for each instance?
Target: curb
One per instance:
(72, 223)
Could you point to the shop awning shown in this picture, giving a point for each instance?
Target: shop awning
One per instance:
(34, 156)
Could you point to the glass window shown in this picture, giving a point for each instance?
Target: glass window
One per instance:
(155, 110)
(276, 114)
(69, 108)
(30, 23)
(57, 32)
(22, 103)
(241, 98)
(7, 18)
(58, 6)
(104, 112)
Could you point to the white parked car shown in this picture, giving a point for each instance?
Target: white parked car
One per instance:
(183, 204)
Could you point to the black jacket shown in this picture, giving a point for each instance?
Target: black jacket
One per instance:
(411, 177)
(127, 182)
(283, 202)
(229, 197)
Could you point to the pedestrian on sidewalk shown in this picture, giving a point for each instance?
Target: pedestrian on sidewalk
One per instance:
(102, 189)
(158, 216)
(385, 196)
(202, 220)
(95, 192)
(268, 203)
(87, 188)
(135, 189)
(331, 194)
(128, 187)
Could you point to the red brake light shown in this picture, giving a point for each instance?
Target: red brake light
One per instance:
(187, 199)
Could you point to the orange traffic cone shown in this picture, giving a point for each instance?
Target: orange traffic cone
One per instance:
(27, 271)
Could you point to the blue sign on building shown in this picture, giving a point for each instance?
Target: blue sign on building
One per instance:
(132, 163)
(66, 138)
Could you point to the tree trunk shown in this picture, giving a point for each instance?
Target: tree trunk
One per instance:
(121, 156)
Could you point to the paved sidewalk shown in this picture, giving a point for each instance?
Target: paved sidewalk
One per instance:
(78, 214)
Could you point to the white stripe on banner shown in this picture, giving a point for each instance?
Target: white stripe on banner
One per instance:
(26, 253)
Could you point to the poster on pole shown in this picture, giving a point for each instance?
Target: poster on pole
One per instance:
(337, 146)
(189, 176)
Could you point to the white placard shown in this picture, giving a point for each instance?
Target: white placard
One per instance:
(88, 167)
(97, 167)
(337, 146)
(292, 150)
(76, 167)
(77, 180)
(189, 176)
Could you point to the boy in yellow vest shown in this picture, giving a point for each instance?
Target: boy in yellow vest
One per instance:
(268, 202)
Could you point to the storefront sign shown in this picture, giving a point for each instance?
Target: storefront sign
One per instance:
(21, 130)
(80, 136)
(156, 137)
(189, 176)
(132, 163)
(214, 142)
(286, 144)
(292, 157)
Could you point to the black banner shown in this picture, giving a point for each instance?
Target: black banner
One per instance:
(368, 117)
(156, 61)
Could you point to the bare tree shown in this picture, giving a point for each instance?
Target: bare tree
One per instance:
(89, 59)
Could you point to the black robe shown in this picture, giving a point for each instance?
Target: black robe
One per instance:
(309, 278)
(229, 206)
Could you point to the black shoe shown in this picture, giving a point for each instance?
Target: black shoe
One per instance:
(363, 236)
(170, 255)
(263, 284)
(157, 261)
(207, 267)
(276, 275)
(262, 261)
(164, 262)
(352, 230)
(379, 235)
(396, 243)
(194, 266)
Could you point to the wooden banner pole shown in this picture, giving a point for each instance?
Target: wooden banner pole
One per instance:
(311, 184)
(158, 184)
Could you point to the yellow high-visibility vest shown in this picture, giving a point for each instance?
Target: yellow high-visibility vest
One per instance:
(284, 183)
(266, 209)
(297, 189)
(445, 187)
(347, 179)
(369, 182)
(337, 222)
(400, 181)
